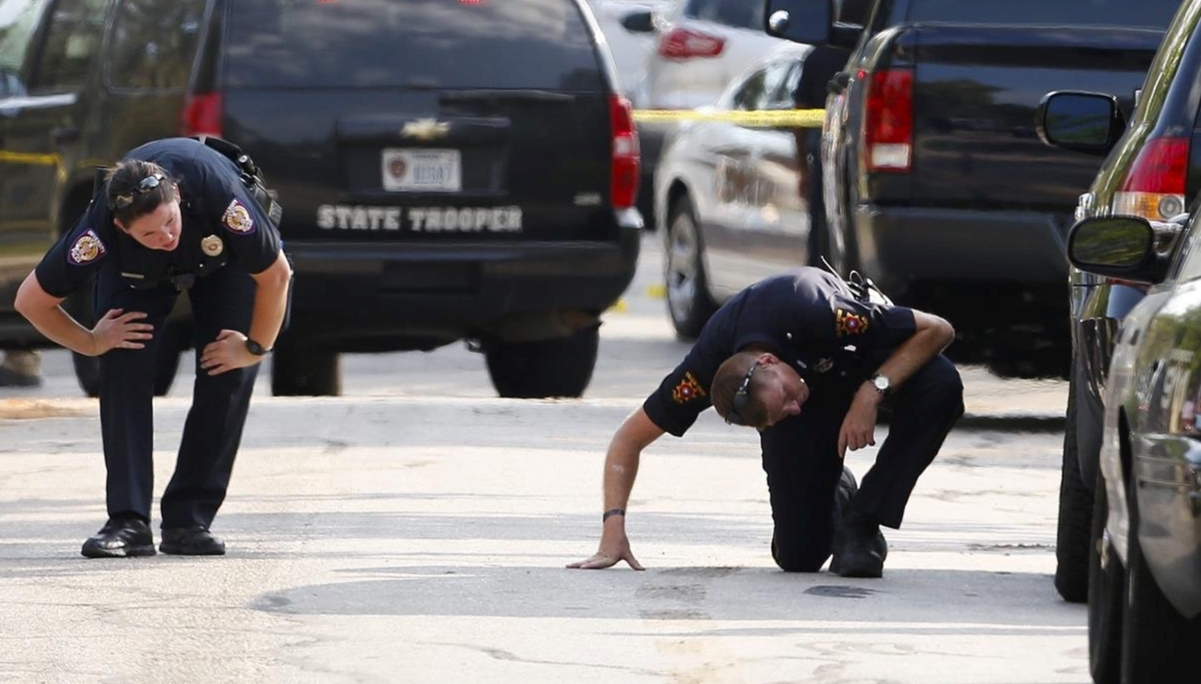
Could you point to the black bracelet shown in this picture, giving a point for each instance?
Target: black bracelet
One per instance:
(612, 512)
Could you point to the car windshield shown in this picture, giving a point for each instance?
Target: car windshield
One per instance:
(1154, 14)
(416, 43)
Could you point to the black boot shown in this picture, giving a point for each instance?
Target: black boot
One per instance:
(859, 547)
(120, 538)
(191, 541)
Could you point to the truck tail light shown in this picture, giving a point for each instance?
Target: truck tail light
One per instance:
(888, 125)
(201, 115)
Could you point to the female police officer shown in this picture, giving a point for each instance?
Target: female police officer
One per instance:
(174, 214)
(807, 362)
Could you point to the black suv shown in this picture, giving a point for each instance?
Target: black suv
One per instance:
(1152, 164)
(449, 169)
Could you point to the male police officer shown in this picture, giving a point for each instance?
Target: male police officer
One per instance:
(172, 215)
(806, 361)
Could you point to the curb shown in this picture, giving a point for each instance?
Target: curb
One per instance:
(1029, 422)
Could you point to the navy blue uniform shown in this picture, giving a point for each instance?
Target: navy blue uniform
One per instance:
(812, 321)
(225, 237)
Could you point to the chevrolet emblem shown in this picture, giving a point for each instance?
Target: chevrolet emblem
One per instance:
(425, 129)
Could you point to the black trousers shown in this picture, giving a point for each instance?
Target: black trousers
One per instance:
(213, 430)
(800, 457)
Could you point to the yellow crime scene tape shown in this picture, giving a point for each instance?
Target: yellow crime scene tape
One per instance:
(791, 118)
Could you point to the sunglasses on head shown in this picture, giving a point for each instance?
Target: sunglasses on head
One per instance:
(742, 397)
(148, 184)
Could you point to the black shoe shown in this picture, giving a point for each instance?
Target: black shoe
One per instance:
(847, 489)
(11, 378)
(191, 541)
(120, 538)
(859, 548)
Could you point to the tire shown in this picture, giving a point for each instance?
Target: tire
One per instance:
(298, 371)
(688, 300)
(543, 368)
(1075, 517)
(1106, 596)
(1156, 639)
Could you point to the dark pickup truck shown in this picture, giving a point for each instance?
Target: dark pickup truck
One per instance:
(936, 183)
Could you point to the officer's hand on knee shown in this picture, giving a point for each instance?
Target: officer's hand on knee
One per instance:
(120, 330)
(228, 352)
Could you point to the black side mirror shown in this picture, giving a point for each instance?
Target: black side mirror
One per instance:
(639, 22)
(1117, 247)
(1084, 122)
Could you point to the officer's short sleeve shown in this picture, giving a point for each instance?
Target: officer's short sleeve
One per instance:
(253, 239)
(684, 393)
(870, 327)
(77, 255)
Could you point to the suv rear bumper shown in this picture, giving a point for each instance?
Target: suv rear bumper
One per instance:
(899, 246)
(381, 297)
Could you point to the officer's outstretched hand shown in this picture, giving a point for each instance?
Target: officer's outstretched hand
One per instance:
(120, 330)
(228, 352)
(859, 427)
(611, 551)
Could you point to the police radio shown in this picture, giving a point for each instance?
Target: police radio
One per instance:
(252, 175)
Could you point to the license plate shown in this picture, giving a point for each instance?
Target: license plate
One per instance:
(407, 170)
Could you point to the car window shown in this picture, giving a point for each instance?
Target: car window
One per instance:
(781, 88)
(72, 42)
(153, 43)
(1146, 13)
(737, 13)
(18, 19)
(416, 43)
(752, 94)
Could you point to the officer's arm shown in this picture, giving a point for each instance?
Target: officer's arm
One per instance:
(621, 467)
(270, 301)
(931, 335)
(116, 329)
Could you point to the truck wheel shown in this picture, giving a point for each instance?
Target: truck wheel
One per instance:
(1075, 517)
(298, 371)
(1106, 596)
(688, 301)
(1155, 637)
(544, 368)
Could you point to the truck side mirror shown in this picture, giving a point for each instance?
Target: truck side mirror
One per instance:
(801, 21)
(1080, 121)
(1117, 247)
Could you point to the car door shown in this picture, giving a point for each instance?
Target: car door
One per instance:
(51, 47)
(747, 240)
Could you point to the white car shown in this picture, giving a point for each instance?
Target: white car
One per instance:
(630, 49)
(727, 197)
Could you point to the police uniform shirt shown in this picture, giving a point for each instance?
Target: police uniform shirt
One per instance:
(213, 202)
(807, 317)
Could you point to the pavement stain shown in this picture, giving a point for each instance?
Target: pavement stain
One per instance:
(30, 409)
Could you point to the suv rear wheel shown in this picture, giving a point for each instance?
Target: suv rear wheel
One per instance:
(543, 368)
(1075, 516)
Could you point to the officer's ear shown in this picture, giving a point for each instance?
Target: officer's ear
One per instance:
(768, 359)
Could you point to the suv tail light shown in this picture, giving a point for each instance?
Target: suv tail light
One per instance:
(682, 43)
(1155, 187)
(623, 188)
(201, 115)
(888, 125)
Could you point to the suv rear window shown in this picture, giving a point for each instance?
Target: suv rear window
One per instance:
(496, 44)
(1154, 14)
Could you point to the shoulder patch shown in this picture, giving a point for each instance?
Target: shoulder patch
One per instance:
(687, 389)
(237, 218)
(848, 323)
(86, 249)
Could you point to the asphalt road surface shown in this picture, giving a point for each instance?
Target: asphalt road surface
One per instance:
(416, 530)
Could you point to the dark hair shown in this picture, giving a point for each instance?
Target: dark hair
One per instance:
(131, 192)
(726, 383)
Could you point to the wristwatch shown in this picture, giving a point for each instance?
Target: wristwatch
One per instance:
(256, 348)
(881, 383)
